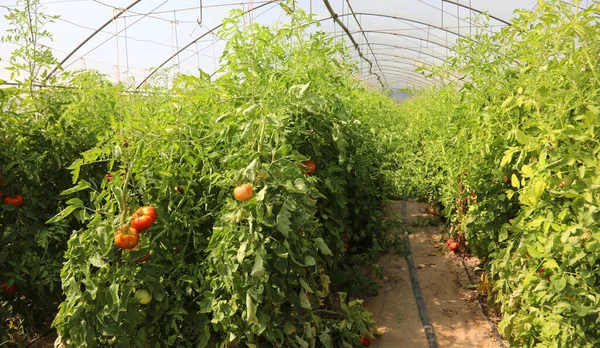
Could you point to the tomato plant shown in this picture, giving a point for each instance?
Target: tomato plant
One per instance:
(510, 157)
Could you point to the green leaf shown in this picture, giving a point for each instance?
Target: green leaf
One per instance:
(526, 171)
(322, 246)
(550, 264)
(63, 214)
(283, 218)
(508, 155)
(250, 172)
(241, 252)
(304, 302)
(75, 202)
(81, 185)
(559, 284)
(309, 260)
(258, 269)
(250, 308)
(289, 328)
(515, 181)
(522, 138)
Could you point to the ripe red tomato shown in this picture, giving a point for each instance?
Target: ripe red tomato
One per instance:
(126, 238)
(366, 341)
(309, 167)
(449, 241)
(10, 290)
(2, 184)
(109, 177)
(143, 218)
(18, 200)
(453, 246)
(243, 193)
(1, 194)
(143, 258)
(542, 270)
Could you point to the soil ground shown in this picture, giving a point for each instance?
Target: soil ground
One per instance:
(454, 311)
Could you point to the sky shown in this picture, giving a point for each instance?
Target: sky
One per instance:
(402, 34)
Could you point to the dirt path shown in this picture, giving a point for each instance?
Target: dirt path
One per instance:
(454, 311)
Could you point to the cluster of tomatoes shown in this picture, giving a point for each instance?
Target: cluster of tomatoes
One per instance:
(128, 237)
(8, 290)
(17, 200)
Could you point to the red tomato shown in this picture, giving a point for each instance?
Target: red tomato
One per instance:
(178, 189)
(10, 290)
(542, 270)
(243, 193)
(18, 200)
(143, 258)
(453, 246)
(449, 241)
(143, 218)
(309, 167)
(2, 184)
(1, 194)
(109, 177)
(126, 238)
(366, 341)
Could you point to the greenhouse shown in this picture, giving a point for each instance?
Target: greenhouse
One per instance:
(309, 173)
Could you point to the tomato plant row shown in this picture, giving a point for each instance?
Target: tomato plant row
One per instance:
(209, 214)
(511, 152)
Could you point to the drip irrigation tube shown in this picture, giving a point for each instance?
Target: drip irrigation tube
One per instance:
(482, 306)
(431, 338)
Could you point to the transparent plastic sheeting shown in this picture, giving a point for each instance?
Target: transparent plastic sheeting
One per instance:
(397, 36)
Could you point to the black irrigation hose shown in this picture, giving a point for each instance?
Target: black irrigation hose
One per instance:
(41, 336)
(431, 338)
(482, 305)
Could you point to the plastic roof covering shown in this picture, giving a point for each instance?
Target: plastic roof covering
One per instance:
(395, 35)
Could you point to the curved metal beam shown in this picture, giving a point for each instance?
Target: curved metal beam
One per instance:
(336, 18)
(363, 34)
(402, 35)
(406, 72)
(478, 11)
(410, 59)
(408, 80)
(407, 36)
(401, 19)
(195, 40)
(404, 58)
(112, 19)
(407, 49)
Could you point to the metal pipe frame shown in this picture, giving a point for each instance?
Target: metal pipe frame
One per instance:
(407, 49)
(195, 40)
(407, 80)
(335, 17)
(410, 59)
(364, 35)
(476, 10)
(112, 19)
(429, 25)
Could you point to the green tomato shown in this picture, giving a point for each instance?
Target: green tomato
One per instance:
(143, 296)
